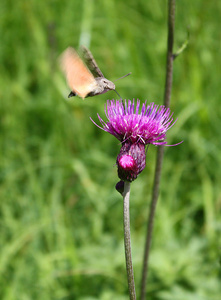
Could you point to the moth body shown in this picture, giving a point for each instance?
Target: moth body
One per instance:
(81, 80)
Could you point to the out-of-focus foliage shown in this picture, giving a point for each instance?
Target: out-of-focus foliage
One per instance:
(61, 231)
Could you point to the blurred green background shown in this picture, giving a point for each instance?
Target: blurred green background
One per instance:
(61, 231)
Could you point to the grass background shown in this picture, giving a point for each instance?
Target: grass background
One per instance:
(60, 217)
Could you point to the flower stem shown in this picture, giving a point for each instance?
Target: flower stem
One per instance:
(170, 56)
(160, 152)
(127, 243)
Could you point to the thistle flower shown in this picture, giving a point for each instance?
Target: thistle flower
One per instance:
(135, 130)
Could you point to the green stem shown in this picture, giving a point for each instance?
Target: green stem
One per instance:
(127, 243)
(170, 57)
(160, 152)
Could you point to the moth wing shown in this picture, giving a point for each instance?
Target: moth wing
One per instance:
(79, 78)
(91, 62)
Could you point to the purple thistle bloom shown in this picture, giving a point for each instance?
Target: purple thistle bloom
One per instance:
(135, 130)
(126, 123)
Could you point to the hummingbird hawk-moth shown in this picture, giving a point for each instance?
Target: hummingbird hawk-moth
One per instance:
(84, 80)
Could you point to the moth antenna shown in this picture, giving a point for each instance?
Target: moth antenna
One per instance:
(118, 94)
(123, 76)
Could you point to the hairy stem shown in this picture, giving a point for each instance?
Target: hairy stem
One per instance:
(160, 152)
(127, 243)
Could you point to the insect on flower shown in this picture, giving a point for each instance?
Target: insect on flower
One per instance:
(84, 80)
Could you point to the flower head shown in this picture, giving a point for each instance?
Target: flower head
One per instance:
(135, 125)
(125, 122)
